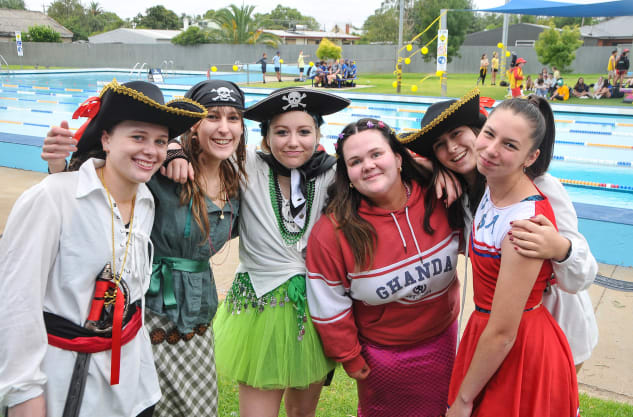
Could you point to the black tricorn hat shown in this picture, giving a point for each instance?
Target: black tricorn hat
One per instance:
(288, 99)
(211, 93)
(442, 117)
(135, 100)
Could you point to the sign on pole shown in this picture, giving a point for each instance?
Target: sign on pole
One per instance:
(442, 49)
(18, 43)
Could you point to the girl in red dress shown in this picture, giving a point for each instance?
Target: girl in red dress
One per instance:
(513, 359)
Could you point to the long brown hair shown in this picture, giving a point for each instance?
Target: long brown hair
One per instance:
(343, 201)
(232, 174)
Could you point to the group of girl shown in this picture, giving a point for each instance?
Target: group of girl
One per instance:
(371, 283)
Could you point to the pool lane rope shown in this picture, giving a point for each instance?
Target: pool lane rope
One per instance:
(597, 185)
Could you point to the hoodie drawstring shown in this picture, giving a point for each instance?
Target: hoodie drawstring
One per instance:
(399, 231)
(415, 239)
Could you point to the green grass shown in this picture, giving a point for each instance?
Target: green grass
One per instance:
(340, 400)
(457, 85)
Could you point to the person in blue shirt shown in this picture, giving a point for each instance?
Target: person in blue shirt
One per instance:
(277, 65)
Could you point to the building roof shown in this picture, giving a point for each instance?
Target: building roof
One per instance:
(619, 27)
(516, 32)
(21, 20)
(126, 35)
(311, 34)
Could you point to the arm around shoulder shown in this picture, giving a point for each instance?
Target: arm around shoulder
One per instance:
(579, 270)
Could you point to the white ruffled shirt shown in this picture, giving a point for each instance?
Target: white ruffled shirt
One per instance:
(57, 239)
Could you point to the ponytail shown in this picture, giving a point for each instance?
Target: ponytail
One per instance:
(537, 111)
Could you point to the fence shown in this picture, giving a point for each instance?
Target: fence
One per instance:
(369, 58)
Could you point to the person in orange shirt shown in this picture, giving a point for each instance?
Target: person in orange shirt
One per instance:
(562, 92)
(517, 78)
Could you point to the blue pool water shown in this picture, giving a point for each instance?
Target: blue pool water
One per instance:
(592, 148)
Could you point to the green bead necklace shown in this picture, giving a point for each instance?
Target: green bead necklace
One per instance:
(276, 199)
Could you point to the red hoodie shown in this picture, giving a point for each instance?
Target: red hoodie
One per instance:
(409, 294)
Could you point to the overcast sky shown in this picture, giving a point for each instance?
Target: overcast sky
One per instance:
(326, 12)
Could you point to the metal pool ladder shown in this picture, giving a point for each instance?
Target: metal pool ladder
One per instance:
(4, 62)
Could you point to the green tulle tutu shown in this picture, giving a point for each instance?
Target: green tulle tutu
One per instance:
(268, 342)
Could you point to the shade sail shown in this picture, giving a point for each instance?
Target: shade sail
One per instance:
(562, 9)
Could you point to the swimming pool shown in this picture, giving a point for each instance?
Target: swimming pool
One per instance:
(593, 155)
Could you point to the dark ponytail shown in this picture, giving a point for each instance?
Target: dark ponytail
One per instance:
(537, 111)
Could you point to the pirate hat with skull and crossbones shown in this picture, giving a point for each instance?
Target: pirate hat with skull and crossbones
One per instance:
(315, 102)
(212, 93)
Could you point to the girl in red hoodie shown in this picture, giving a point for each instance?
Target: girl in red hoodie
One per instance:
(382, 285)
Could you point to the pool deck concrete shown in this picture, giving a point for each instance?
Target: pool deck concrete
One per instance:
(607, 374)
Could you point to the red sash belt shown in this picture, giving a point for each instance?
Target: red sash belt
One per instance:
(91, 344)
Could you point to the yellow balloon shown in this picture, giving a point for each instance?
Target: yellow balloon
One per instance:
(394, 84)
(508, 53)
(409, 47)
(281, 61)
(500, 45)
(439, 73)
(235, 68)
(214, 68)
(424, 50)
(311, 63)
(407, 61)
(414, 88)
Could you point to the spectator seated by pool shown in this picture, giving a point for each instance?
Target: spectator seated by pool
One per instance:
(581, 90)
(562, 91)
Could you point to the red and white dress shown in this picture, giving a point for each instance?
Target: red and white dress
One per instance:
(537, 377)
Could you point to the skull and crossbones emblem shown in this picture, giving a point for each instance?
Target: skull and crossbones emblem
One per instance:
(224, 94)
(294, 100)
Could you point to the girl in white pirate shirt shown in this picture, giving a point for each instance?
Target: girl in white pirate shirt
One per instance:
(76, 247)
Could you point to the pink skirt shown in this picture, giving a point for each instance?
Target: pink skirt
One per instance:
(408, 380)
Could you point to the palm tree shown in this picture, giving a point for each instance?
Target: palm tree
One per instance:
(94, 9)
(237, 25)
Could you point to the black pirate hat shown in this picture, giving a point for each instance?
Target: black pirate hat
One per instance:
(136, 100)
(211, 93)
(442, 117)
(315, 102)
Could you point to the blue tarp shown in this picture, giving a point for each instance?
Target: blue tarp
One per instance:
(557, 8)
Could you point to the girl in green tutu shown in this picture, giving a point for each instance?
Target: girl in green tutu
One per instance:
(265, 339)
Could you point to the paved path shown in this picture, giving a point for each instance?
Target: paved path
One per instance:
(607, 374)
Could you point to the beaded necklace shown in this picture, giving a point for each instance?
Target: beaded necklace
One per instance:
(276, 198)
(117, 277)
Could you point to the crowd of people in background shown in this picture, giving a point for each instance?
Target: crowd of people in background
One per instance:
(551, 85)
(333, 73)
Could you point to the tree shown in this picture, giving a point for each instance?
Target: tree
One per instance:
(12, 4)
(328, 50)
(158, 17)
(238, 26)
(558, 47)
(458, 22)
(41, 33)
(382, 26)
(94, 9)
(285, 18)
(192, 36)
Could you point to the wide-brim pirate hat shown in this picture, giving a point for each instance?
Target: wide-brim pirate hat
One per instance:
(442, 117)
(211, 93)
(315, 102)
(135, 100)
